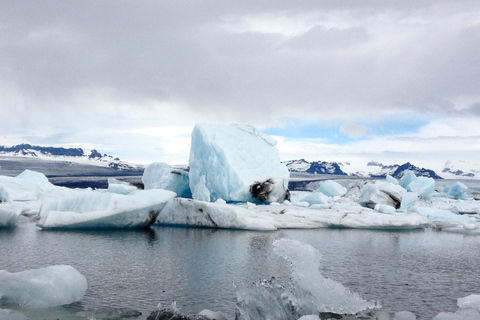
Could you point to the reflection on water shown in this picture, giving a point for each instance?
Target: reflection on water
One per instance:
(419, 271)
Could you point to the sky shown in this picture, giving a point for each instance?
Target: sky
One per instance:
(388, 81)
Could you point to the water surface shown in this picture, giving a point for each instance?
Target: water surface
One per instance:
(420, 271)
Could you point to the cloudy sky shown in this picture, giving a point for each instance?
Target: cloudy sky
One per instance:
(390, 81)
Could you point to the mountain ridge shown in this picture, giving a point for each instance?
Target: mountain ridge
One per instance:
(67, 154)
(338, 168)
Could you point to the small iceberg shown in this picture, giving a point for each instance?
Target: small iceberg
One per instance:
(42, 288)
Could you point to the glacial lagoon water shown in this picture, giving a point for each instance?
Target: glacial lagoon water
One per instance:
(421, 271)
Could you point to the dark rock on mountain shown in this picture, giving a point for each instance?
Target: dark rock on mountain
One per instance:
(323, 167)
(419, 172)
(316, 167)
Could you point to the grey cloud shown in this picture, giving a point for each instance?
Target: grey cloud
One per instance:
(55, 52)
(320, 37)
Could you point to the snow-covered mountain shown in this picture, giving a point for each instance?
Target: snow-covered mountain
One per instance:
(315, 167)
(76, 155)
(373, 169)
(455, 169)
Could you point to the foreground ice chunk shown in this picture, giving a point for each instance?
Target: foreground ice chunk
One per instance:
(308, 295)
(104, 210)
(235, 163)
(9, 213)
(43, 288)
(326, 294)
(6, 314)
(331, 188)
(160, 175)
(469, 309)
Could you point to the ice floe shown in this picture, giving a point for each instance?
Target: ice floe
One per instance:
(42, 288)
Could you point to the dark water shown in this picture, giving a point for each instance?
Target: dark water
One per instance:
(419, 271)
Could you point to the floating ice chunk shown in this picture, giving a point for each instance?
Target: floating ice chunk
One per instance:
(381, 193)
(9, 213)
(469, 309)
(448, 221)
(408, 200)
(371, 219)
(213, 314)
(237, 163)
(30, 186)
(104, 210)
(456, 191)
(160, 175)
(326, 294)
(421, 186)
(316, 198)
(310, 317)
(408, 176)
(120, 187)
(220, 201)
(43, 288)
(390, 179)
(331, 188)
(385, 208)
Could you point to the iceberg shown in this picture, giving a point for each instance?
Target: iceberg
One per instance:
(237, 164)
(96, 209)
(160, 175)
(381, 193)
(43, 288)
